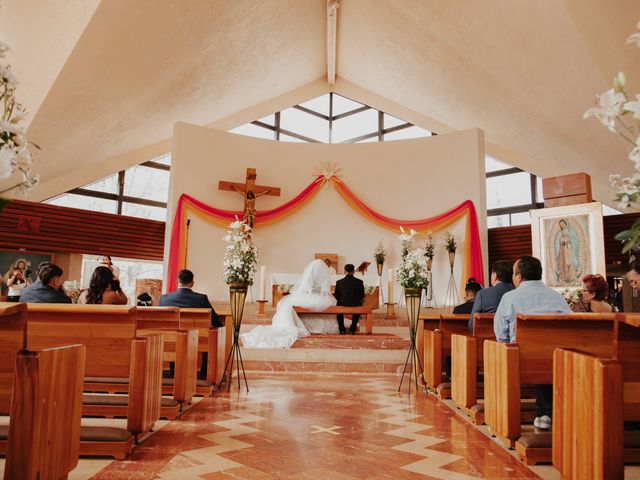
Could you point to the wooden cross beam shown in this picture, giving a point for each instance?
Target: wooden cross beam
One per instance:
(250, 191)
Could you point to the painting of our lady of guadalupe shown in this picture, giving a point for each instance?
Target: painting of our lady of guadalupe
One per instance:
(568, 251)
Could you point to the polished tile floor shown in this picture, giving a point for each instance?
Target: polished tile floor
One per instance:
(322, 426)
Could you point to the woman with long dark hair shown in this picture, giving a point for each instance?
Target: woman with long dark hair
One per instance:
(104, 289)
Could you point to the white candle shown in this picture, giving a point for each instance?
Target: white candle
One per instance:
(391, 279)
(263, 283)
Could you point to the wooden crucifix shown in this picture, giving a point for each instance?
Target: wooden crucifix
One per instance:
(250, 191)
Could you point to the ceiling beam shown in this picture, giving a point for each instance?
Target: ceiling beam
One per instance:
(332, 26)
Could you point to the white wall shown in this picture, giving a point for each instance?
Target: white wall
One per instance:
(408, 179)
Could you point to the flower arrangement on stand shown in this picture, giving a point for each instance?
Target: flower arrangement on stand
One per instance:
(240, 260)
(285, 288)
(451, 245)
(379, 254)
(406, 241)
(620, 114)
(72, 289)
(14, 146)
(413, 275)
(430, 252)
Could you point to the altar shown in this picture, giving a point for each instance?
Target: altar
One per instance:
(281, 282)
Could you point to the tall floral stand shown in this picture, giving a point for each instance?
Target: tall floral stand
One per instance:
(451, 297)
(379, 266)
(413, 297)
(238, 295)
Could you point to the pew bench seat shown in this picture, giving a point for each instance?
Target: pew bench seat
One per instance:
(109, 406)
(94, 442)
(121, 385)
(367, 312)
(535, 447)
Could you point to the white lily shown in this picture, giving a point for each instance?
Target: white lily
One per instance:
(634, 107)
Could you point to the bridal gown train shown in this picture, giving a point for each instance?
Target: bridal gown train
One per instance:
(313, 292)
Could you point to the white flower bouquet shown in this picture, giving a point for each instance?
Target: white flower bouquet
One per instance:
(14, 146)
(621, 115)
(285, 288)
(369, 289)
(72, 289)
(413, 272)
(380, 253)
(406, 241)
(450, 244)
(241, 255)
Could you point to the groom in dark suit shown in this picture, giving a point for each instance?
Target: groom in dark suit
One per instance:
(185, 297)
(349, 293)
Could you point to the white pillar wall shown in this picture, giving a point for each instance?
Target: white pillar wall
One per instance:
(407, 179)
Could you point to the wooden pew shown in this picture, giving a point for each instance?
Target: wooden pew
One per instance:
(13, 338)
(44, 428)
(592, 398)
(216, 341)
(437, 345)
(426, 322)
(180, 347)
(530, 361)
(467, 356)
(365, 311)
(113, 350)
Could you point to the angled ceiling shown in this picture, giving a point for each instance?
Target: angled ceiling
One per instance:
(118, 74)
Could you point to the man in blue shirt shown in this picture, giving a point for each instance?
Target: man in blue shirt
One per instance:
(533, 297)
(46, 289)
(488, 299)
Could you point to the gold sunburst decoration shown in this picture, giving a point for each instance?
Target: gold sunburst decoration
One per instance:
(328, 169)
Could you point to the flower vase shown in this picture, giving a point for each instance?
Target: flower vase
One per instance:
(452, 259)
(379, 266)
(413, 298)
(237, 297)
(429, 263)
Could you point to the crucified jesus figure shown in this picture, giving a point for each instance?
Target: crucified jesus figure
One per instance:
(249, 215)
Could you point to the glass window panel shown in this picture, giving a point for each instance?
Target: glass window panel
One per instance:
(84, 202)
(498, 221)
(493, 164)
(164, 159)
(522, 218)
(320, 104)
(147, 183)
(287, 138)
(304, 124)
(607, 210)
(391, 121)
(252, 130)
(354, 126)
(406, 133)
(508, 190)
(342, 104)
(269, 119)
(144, 211)
(369, 140)
(107, 185)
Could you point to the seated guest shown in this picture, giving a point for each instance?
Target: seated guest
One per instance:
(488, 299)
(47, 288)
(106, 262)
(15, 284)
(533, 297)
(349, 293)
(185, 297)
(103, 289)
(633, 274)
(595, 292)
(471, 289)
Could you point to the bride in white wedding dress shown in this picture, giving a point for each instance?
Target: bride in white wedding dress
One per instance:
(312, 291)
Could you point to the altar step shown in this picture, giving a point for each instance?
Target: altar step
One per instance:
(377, 353)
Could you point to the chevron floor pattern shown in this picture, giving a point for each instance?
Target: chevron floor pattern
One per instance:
(294, 426)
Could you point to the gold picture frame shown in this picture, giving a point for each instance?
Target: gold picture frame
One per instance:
(569, 241)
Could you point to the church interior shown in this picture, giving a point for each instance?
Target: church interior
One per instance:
(327, 239)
